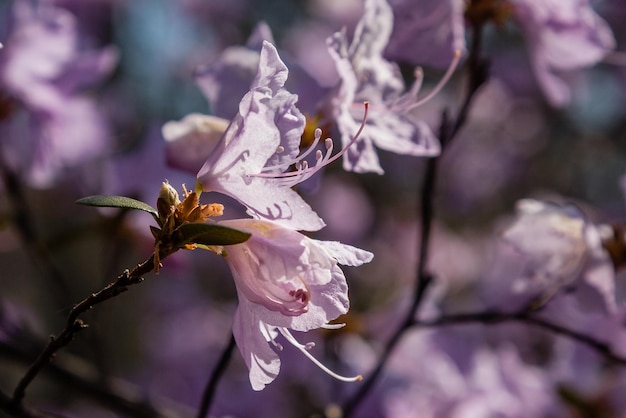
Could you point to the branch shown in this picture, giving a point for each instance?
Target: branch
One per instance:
(477, 76)
(209, 390)
(494, 317)
(74, 324)
(115, 394)
(36, 249)
(18, 410)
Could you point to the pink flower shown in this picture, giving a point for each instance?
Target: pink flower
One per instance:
(562, 36)
(284, 281)
(190, 140)
(261, 142)
(44, 67)
(365, 75)
(562, 250)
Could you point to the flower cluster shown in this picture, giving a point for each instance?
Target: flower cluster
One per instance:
(481, 302)
(43, 70)
(284, 279)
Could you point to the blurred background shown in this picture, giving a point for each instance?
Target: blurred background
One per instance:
(159, 342)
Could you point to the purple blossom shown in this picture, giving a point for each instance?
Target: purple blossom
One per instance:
(367, 76)
(228, 79)
(562, 35)
(191, 140)
(261, 142)
(284, 281)
(42, 67)
(493, 384)
(427, 32)
(562, 249)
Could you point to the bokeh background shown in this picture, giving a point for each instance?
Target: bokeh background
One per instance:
(160, 341)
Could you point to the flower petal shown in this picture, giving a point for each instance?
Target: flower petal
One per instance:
(263, 363)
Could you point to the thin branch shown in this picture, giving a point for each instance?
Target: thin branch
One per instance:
(477, 77)
(220, 368)
(74, 324)
(38, 251)
(526, 316)
(19, 411)
(114, 394)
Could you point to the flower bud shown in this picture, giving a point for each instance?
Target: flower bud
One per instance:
(168, 199)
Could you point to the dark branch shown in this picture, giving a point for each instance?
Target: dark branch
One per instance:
(220, 368)
(115, 394)
(74, 324)
(18, 410)
(527, 317)
(36, 249)
(477, 76)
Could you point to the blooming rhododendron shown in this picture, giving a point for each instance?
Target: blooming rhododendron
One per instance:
(191, 140)
(284, 281)
(264, 134)
(562, 35)
(561, 247)
(367, 76)
(43, 67)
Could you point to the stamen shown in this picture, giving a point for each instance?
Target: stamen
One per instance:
(417, 84)
(276, 344)
(303, 348)
(446, 77)
(329, 145)
(316, 139)
(303, 171)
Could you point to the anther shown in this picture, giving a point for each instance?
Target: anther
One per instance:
(303, 171)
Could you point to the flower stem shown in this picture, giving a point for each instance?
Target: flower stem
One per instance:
(477, 77)
(216, 375)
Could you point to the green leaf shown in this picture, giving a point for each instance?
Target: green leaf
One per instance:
(117, 202)
(210, 234)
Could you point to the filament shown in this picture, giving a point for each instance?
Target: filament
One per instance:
(446, 77)
(303, 171)
(305, 350)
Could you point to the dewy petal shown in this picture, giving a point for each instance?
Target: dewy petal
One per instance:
(267, 120)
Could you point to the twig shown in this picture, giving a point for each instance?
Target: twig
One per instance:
(478, 75)
(19, 411)
(74, 324)
(491, 317)
(115, 394)
(209, 390)
(24, 223)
